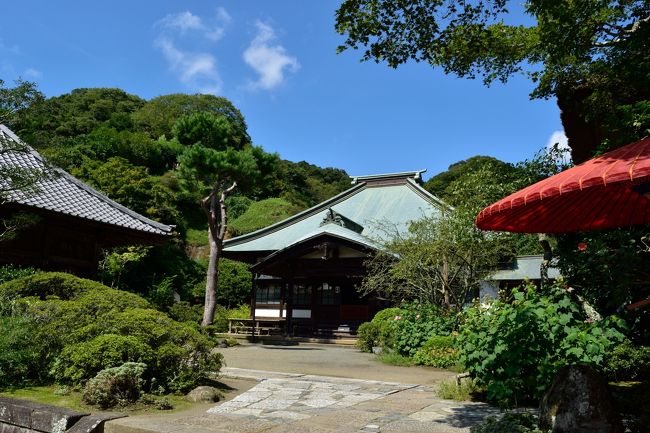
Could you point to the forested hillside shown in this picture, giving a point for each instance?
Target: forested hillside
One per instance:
(128, 148)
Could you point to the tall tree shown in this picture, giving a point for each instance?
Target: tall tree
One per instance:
(440, 260)
(211, 175)
(593, 56)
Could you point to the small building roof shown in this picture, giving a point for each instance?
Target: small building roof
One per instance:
(524, 268)
(363, 212)
(67, 195)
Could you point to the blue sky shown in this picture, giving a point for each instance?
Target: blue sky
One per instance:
(276, 61)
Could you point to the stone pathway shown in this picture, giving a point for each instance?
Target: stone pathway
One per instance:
(301, 403)
(301, 396)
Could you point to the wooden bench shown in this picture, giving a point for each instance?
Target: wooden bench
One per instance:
(268, 326)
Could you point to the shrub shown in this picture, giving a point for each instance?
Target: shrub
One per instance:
(43, 285)
(222, 315)
(23, 358)
(185, 312)
(11, 272)
(464, 391)
(377, 332)
(368, 333)
(417, 323)
(78, 362)
(628, 362)
(509, 423)
(117, 386)
(514, 349)
(86, 327)
(438, 351)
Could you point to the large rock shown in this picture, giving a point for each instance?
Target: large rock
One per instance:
(579, 402)
(203, 394)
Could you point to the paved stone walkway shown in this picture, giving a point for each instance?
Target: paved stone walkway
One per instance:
(285, 403)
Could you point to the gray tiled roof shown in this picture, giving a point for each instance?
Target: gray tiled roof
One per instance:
(67, 195)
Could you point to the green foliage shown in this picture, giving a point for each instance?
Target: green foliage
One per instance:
(514, 349)
(592, 55)
(80, 361)
(368, 336)
(235, 282)
(15, 99)
(131, 186)
(207, 129)
(510, 422)
(158, 116)
(81, 326)
(117, 386)
(611, 271)
(222, 315)
(418, 323)
(438, 351)
(43, 285)
(394, 358)
(442, 259)
(443, 184)
(378, 332)
(185, 312)
(162, 293)
(261, 214)
(11, 272)
(49, 121)
(627, 362)
(465, 391)
(23, 356)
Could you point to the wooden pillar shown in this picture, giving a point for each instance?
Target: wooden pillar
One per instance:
(289, 317)
(253, 303)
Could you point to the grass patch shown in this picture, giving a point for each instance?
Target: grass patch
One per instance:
(393, 358)
(72, 400)
(197, 237)
(466, 391)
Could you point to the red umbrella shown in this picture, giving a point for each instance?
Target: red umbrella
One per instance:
(612, 190)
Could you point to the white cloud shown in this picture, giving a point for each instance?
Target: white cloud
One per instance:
(32, 74)
(198, 71)
(269, 61)
(558, 137)
(218, 30)
(183, 22)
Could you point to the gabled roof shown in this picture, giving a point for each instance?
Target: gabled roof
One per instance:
(373, 202)
(67, 195)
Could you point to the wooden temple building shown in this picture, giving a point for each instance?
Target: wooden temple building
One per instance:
(74, 222)
(307, 267)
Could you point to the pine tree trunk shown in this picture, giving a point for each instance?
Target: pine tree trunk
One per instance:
(217, 226)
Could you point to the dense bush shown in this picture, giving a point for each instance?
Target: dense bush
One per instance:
(43, 285)
(117, 386)
(417, 323)
(438, 351)
(79, 361)
(185, 312)
(377, 332)
(508, 423)
(23, 357)
(514, 349)
(628, 362)
(83, 327)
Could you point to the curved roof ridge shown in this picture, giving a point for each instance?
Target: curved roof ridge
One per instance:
(297, 217)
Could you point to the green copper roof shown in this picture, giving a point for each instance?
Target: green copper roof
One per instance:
(368, 204)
